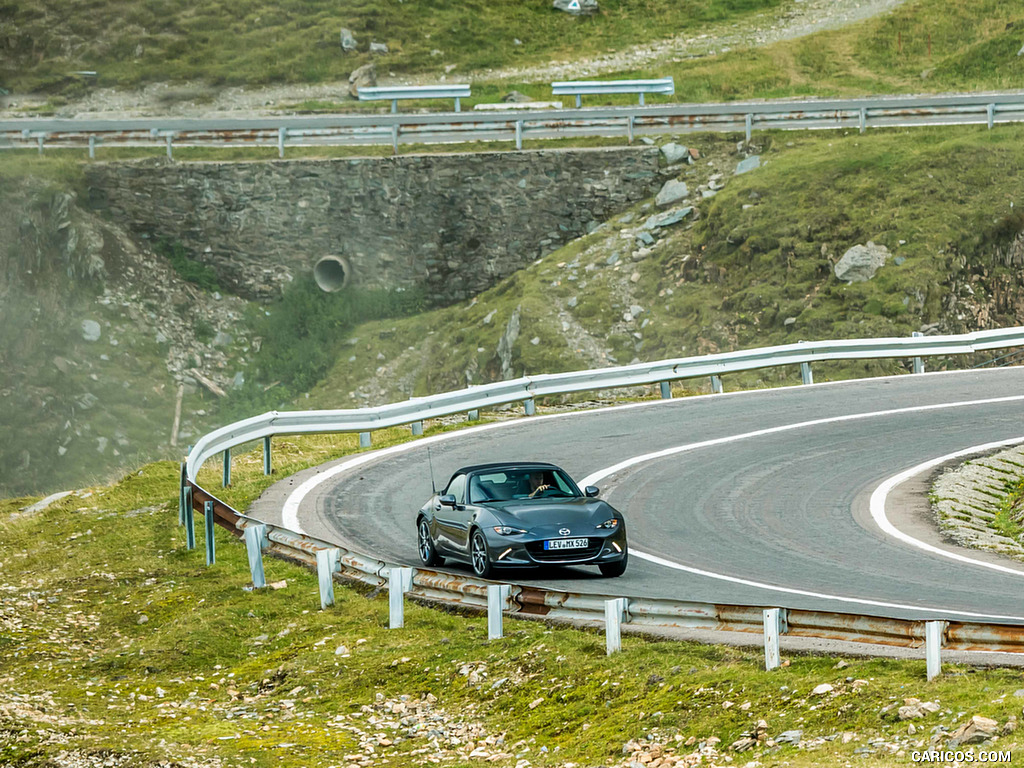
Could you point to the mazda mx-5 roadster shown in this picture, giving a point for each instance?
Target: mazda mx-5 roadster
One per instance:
(518, 515)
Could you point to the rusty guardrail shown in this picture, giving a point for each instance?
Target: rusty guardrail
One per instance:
(453, 127)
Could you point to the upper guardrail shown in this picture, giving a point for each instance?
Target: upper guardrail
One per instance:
(525, 389)
(395, 93)
(452, 127)
(580, 88)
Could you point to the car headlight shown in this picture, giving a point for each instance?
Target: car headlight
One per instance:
(610, 524)
(507, 530)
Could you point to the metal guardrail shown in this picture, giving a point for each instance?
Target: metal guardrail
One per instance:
(580, 88)
(455, 127)
(393, 94)
(559, 605)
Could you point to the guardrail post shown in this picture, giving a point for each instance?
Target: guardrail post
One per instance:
(92, 147)
(519, 134)
(190, 520)
(990, 111)
(170, 154)
(629, 128)
(39, 138)
(918, 362)
(417, 428)
(473, 415)
(394, 138)
(181, 495)
(806, 375)
(666, 390)
(458, 104)
(326, 562)
(399, 582)
(211, 553)
(267, 468)
(255, 535)
(716, 385)
(529, 407)
(772, 628)
(282, 134)
(613, 612)
(394, 106)
(579, 101)
(641, 95)
(932, 648)
(497, 594)
(364, 439)
(863, 119)
(749, 122)
(226, 479)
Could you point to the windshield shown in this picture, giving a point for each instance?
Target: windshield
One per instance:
(509, 484)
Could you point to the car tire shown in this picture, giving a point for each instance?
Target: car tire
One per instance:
(479, 557)
(614, 569)
(425, 545)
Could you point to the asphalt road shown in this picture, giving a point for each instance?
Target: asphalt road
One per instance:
(787, 509)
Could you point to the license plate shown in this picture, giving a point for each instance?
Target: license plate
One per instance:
(565, 544)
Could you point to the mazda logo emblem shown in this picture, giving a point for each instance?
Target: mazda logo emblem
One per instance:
(564, 531)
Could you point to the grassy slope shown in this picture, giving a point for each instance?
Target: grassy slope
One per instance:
(219, 673)
(132, 42)
(761, 253)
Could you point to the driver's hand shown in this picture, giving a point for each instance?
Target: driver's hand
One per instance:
(540, 488)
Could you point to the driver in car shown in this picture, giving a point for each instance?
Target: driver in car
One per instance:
(539, 483)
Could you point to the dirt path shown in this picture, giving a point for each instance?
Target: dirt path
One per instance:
(794, 19)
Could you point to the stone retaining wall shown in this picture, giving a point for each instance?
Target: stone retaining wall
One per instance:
(456, 223)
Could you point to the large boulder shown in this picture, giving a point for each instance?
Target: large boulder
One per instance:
(860, 263)
(378, 48)
(576, 7)
(363, 77)
(348, 40)
(667, 218)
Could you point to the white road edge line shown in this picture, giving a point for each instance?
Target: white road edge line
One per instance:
(291, 506)
(881, 494)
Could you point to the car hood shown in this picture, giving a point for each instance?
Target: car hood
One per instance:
(553, 512)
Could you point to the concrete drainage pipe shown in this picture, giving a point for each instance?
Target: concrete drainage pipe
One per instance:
(332, 273)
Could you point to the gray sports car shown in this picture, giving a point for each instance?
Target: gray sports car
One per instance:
(516, 514)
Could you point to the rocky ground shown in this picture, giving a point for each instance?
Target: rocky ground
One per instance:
(966, 500)
(796, 19)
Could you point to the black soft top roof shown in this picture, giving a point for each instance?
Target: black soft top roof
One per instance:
(502, 465)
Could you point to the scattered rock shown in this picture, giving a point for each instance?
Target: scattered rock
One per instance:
(282, 584)
(348, 40)
(748, 164)
(674, 153)
(572, 302)
(223, 339)
(515, 97)
(342, 650)
(822, 689)
(974, 731)
(536, 703)
(789, 737)
(576, 7)
(672, 192)
(378, 48)
(860, 263)
(91, 330)
(508, 338)
(667, 218)
(362, 77)
(143, 619)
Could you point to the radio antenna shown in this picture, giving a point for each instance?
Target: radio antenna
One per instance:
(433, 486)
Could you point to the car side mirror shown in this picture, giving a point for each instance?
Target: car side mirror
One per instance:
(447, 500)
(592, 491)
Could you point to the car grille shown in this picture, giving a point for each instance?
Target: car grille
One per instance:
(537, 552)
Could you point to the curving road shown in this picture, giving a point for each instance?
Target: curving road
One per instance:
(785, 507)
